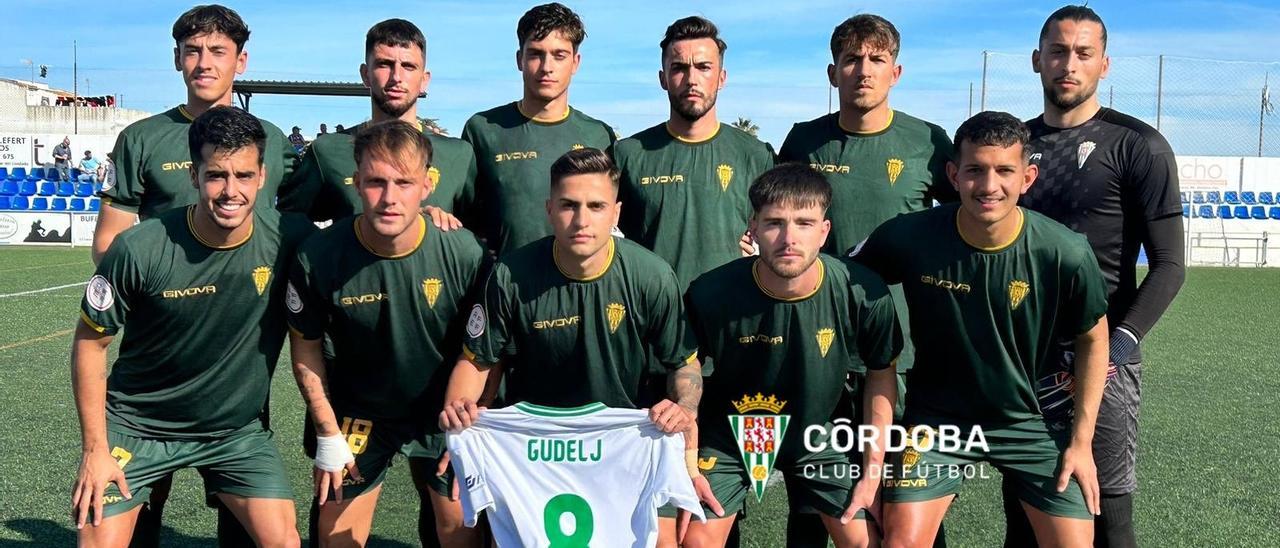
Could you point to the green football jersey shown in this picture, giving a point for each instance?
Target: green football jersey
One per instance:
(203, 325)
(874, 177)
(394, 322)
(984, 321)
(687, 201)
(153, 162)
(796, 351)
(321, 184)
(568, 341)
(514, 154)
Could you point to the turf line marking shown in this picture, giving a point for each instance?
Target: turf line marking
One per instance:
(39, 266)
(53, 335)
(34, 291)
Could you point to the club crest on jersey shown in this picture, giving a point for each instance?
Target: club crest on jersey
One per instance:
(758, 436)
(433, 173)
(911, 455)
(894, 167)
(825, 336)
(348, 181)
(1018, 291)
(431, 289)
(615, 312)
(577, 146)
(261, 276)
(1083, 151)
(724, 172)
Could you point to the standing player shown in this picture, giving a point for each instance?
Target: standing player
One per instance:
(189, 389)
(150, 154)
(385, 290)
(684, 181)
(1112, 178)
(578, 316)
(395, 71)
(1017, 282)
(791, 324)
(516, 143)
(881, 162)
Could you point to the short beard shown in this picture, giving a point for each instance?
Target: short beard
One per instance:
(1064, 103)
(393, 111)
(788, 273)
(689, 112)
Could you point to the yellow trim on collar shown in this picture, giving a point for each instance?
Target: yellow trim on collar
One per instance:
(691, 141)
(887, 123)
(1022, 222)
(191, 212)
(755, 275)
(567, 109)
(182, 109)
(555, 258)
(422, 235)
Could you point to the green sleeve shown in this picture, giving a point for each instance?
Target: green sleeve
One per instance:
(126, 194)
(941, 189)
(876, 253)
(289, 156)
(879, 335)
(695, 334)
(1086, 296)
(299, 190)
(771, 157)
(788, 152)
(488, 335)
(667, 323)
(108, 295)
(464, 206)
(306, 305)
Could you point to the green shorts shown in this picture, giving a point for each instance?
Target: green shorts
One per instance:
(376, 442)
(815, 483)
(1026, 453)
(244, 463)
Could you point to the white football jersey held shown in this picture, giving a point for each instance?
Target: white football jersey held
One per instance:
(585, 476)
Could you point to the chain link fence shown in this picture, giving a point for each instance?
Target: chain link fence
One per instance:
(1202, 106)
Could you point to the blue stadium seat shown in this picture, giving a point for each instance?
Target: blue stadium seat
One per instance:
(76, 204)
(26, 188)
(84, 190)
(1241, 212)
(1197, 197)
(75, 174)
(1266, 198)
(58, 204)
(20, 203)
(1213, 197)
(93, 204)
(39, 204)
(1186, 210)
(5, 202)
(1231, 197)
(37, 173)
(1275, 212)
(4, 174)
(8, 188)
(66, 189)
(1185, 198)
(1224, 211)
(18, 174)
(97, 187)
(47, 188)
(1258, 212)
(1206, 212)
(1249, 197)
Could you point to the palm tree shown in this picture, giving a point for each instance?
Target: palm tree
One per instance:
(433, 124)
(745, 124)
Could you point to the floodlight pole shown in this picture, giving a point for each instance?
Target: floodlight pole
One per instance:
(75, 89)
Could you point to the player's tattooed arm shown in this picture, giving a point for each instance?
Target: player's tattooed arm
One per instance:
(309, 372)
(685, 386)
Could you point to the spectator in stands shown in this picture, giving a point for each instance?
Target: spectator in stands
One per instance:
(89, 168)
(62, 159)
(323, 130)
(297, 139)
(339, 129)
(107, 171)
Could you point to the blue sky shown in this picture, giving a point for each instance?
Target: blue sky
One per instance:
(776, 59)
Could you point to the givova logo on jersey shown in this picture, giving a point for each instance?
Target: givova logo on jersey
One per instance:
(759, 436)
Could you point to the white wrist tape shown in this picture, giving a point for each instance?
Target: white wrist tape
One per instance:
(333, 453)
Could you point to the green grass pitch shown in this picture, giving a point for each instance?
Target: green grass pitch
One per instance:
(1206, 467)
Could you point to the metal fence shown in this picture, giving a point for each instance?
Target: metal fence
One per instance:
(1202, 106)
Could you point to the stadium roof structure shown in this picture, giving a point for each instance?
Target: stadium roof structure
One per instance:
(245, 89)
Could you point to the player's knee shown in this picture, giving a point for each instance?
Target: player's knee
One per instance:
(286, 537)
(905, 537)
(701, 537)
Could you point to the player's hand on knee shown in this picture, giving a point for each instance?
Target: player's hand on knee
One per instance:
(97, 470)
(442, 219)
(670, 417)
(459, 415)
(747, 245)
(1077, 461)
(333, 458)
